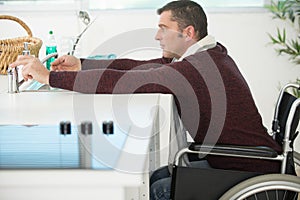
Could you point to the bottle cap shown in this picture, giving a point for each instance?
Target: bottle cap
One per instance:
(26, 50)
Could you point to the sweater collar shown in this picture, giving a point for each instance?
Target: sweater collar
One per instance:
(204, 44)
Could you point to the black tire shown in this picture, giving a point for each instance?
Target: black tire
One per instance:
(266, 187)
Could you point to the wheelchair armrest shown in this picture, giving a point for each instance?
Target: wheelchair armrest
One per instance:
(257, 151)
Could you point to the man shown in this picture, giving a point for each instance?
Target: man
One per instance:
(213, 99)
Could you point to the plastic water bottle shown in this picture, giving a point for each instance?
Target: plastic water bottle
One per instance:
(51, 47)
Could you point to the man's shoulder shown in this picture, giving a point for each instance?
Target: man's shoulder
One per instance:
(219, 48)
(215, 52)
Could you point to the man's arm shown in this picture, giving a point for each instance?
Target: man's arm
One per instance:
(123, 64)
(110, 81)
(71, 63)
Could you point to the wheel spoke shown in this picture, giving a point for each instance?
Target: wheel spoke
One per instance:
(285, 193)
(267, 195)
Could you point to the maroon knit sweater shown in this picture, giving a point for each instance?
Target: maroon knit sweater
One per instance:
(212, 97)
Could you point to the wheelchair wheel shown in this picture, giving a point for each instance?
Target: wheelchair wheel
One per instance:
(266, 187)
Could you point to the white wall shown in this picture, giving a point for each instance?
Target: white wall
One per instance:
(244, 35)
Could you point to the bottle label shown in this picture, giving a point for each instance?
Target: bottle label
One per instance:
(49, 50)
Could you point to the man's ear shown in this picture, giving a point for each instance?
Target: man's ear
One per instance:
(189, 32)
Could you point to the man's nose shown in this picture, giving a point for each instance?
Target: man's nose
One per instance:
(158, 35)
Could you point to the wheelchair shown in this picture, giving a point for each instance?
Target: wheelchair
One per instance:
(190, 183)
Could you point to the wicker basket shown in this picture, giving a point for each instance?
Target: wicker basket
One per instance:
(11, 48)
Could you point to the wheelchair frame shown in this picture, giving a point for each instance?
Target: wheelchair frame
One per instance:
(272, 181)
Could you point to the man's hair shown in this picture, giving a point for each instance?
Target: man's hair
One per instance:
(187, 13)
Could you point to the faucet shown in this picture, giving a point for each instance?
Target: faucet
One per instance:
(13, 77)
(51, 55)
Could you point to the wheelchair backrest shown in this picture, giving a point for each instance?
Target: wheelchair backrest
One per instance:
(284, 108)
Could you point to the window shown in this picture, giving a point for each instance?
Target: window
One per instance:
(19, 5)
(36, 2)
(130, 4)
(145, 4)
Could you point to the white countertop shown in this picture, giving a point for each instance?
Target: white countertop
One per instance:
(138, 113)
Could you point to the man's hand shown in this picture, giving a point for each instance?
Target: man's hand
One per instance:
(32, 68)
(66, 63)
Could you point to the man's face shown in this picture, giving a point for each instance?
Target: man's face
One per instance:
(171, 39)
